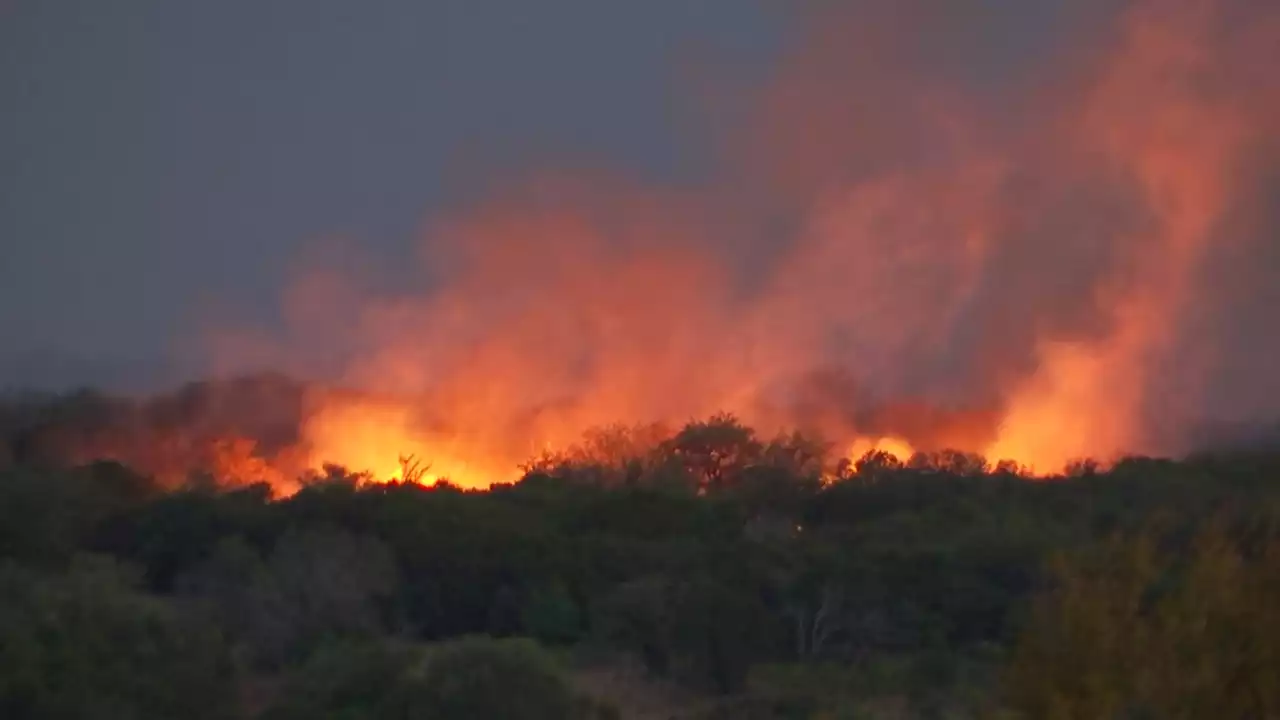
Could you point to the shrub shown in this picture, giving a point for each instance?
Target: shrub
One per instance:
(88, 644)
(1155, 626)
(347, 680)
(480, 677)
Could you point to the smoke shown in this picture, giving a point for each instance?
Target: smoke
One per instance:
(236, 432)
(1075, 257)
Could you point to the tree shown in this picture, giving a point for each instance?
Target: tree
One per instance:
(348, 680)
(1148, 626)
(466, 679)
(701, 631)
(88, 644)
(719, 631)
(636, 616)
(550, 615)
(715, 451)
(317, 584)
(480, 677)
(47, 516)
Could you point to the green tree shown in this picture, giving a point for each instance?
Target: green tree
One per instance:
(46, 516)
(551, 615)
(479, 677)
(715, 451)
(719, 631)
(317, 584)
(347, 680)
(1151, 626)
(636, 617)
(472, 678)
(88, 644)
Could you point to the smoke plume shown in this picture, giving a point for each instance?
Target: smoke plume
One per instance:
(1079, 262)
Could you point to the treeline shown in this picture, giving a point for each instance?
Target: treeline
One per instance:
(756, 576)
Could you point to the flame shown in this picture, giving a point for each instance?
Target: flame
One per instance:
(1030, 266)
(378, 438)
(897, 447)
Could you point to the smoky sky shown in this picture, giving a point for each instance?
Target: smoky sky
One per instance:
(160, 157)
(164, 163)
(1035, 230)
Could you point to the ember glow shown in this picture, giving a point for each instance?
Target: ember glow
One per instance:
(380, 437)
(1040, 275)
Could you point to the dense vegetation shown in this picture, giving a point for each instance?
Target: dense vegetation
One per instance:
(740, 577)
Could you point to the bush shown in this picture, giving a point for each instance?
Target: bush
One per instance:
(718, 633)
(1156, 626)
(317, 585)
(469, 679)
(347, 680)
(87, 644)
(551, 615)
(480, 677)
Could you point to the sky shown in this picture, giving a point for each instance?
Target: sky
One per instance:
(162, 159)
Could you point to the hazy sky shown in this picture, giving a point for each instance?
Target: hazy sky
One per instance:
(159, 160)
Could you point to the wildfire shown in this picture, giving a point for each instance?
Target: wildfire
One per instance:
(378, 437)
(897, 447)
(1035, 265)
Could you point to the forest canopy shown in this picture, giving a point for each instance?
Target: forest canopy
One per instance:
(722, 573)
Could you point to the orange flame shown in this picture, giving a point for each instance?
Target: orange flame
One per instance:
(896, 447)
(1028, 266)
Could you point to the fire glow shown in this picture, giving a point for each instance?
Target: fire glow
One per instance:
(1021, 277)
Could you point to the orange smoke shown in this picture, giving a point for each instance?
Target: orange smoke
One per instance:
(1169, 110)
(1023, 264)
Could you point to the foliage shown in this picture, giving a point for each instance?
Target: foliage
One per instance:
(87, 644)
(47, 518)
(317, 584)
(473, 677)
(551, 615)
(363, 680)
(715, 451)
(709, 555)
(1152, 625)
(480, 677)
